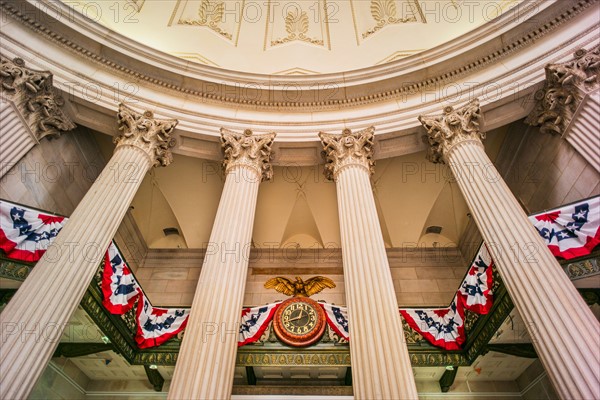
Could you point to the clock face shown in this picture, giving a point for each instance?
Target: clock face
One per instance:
(299, 321)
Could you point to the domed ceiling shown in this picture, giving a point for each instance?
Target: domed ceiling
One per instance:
(282, 37)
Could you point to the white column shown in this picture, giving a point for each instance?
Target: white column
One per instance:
(564, 332)
(29, 111)
(583, 133)
(206, 360)
(381, 366)
(34, 319)
(569, 103)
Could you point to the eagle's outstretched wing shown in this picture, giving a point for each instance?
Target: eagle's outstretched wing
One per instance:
(317, 283)
(281, 284)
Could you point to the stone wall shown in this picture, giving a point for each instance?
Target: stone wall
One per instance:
(544, 171)
(56, 174)
(61, 380)
(535, 385)
(422, 277)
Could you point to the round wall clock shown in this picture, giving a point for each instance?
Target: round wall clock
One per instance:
(299, 321)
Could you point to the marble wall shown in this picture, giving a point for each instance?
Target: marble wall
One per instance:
(422, 276)
(55, 174)
(545, 171)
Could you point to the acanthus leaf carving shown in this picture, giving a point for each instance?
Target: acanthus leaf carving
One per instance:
(566, 86)
(349, 148)
(210, 15)
(453, 127)
(249, 150)
(33, 95)
(142, 130)
(385, 12)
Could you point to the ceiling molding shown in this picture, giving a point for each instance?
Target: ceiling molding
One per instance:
(501, 63)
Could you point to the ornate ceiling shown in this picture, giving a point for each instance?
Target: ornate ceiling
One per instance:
(286, 37)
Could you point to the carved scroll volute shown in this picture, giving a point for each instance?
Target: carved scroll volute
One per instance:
(566, 86)
(349, 148)
(453, 127)
(248, 150)
(142, 130)
(33, 95)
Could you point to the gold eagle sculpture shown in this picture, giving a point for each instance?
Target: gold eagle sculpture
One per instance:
(299, 287)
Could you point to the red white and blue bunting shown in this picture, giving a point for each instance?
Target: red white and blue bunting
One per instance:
(442, 327)
(255, 321)
(570, 231)
(337, 319)
(26, 234)
(157, 325)
(476, 288)
(119, 287)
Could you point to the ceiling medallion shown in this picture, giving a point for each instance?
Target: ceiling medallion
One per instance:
(299, 321)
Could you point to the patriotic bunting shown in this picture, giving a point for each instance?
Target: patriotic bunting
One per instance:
(26, 234)
(157, 325)
(444, 327)
(255, 321)
(476, 288)
(119, 287)
(337, 318)
(570, 231)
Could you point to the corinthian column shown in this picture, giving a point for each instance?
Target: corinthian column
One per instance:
(33, 321)
(380, 363)
(569, 103)
(564, 332)
(29, 111)
(206, 361)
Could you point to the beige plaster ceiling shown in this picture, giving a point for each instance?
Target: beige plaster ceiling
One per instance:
(288, 37)
(298, 208)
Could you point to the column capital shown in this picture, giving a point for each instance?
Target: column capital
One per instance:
(33, 95)
(151, 135)
(248, 150)
(566, 86)
(453, 127)
(348, 148)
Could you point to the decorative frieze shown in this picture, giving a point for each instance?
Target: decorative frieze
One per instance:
(349, 148)
(566, 86)
(33, 95)
(152, 135)
(453, 127)
(248, 150)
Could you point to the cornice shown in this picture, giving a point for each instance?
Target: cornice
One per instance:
(391, 71)
(509, 53)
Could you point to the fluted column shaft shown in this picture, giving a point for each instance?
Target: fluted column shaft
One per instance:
(35, 317)
(206, 360)
(15, 138)
(381, 367)
(34, 320)
(569, 103)
(29, 111)
(584, 131)
(564, 332)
